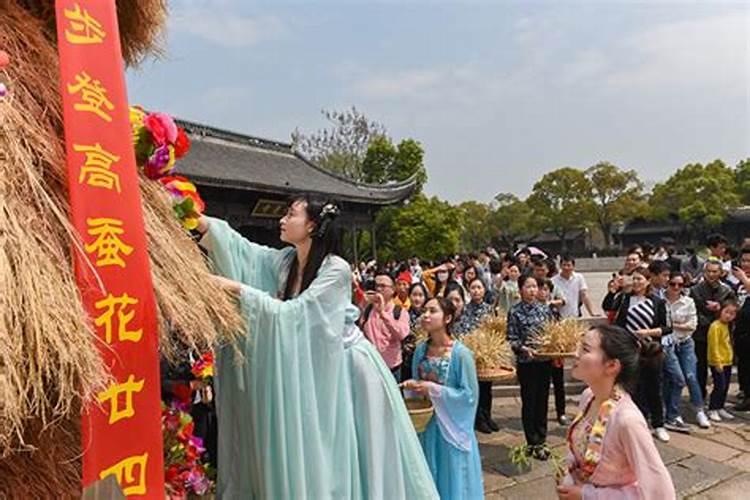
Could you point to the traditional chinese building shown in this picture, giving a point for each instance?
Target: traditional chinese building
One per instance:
(736, 227)
(246, 180)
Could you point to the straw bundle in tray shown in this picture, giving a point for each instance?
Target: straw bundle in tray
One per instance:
(559, 339)
(492, 353)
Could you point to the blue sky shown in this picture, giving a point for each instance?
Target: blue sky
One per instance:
(497, 92)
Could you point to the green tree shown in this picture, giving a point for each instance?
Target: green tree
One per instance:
(511, 219)
(561, 201)
(476, 231)
(617, 196)
(425, 227)
(342, 147)
(742, 177)
(699, 195)
(385, 162)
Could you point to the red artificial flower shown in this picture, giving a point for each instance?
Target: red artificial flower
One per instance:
(182, 392)
(171, 473)
(182, 144)
(161, 128)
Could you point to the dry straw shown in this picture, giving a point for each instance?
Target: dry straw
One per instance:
(559, 337)
(490, 345)
(49, 356)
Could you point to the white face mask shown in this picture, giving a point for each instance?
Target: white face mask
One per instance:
(442, 276)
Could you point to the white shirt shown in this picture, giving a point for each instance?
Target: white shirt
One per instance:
(683, 312)
(572, 289)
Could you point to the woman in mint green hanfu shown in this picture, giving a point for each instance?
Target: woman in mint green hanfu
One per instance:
(311, 412)
(443, 370)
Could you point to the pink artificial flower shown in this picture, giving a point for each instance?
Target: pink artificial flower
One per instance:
(162, 128)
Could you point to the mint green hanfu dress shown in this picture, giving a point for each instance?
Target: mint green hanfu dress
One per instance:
(312, 412)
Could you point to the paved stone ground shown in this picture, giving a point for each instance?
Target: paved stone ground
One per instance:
(710, 464)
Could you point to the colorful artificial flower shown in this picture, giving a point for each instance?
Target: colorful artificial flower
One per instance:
(203, 368)
(182, 144)
(186, 201)
(162, 127)
(185, 475)
(157, 141)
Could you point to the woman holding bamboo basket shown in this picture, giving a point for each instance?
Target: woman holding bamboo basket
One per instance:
(525, 321)
(444, 371)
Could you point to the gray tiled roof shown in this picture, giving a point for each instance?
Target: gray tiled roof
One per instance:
(221, 158)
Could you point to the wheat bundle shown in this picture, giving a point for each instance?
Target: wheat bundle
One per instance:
(49, 357)
(490, 345)
(558, 338)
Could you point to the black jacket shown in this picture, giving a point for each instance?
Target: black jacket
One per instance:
(621, 303)
(702, 293)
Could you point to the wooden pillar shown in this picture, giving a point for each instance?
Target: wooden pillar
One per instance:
(355, 245)
(374, 242)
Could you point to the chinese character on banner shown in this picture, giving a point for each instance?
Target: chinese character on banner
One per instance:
(108, 246)
(121, 428)
(112, 395)
(125, 471)
(93, 96)
(97, 169)
(83, 29)
(110, 304)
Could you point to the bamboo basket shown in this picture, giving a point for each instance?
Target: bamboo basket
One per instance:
(420, 411)
(501, 374)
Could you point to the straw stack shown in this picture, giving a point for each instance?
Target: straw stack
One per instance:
(49, 357)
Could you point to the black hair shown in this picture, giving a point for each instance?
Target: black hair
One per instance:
(712, 262)
(524, 278)
(730, 303)
(658, 267)
(421, 285)
(567, 258)
(448, 310)
(625, 347)
(636, 249)
(325, 240)
(452, 287)
(678, 274)
(496, 265)
(479, 280)
(546, 282)
(716, 239)
(384, 272)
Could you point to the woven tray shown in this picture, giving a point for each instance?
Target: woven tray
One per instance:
(496, 374)
(555, 355)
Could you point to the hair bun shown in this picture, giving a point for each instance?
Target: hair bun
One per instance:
(328, 214)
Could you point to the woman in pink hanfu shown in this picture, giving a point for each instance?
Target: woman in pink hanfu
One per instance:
(611, 454)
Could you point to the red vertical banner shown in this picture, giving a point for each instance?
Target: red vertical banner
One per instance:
(121, 430)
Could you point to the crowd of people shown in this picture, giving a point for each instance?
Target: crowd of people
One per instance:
(685, 316)
(316, 384)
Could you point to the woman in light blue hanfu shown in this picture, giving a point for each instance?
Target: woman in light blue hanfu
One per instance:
(311, 411)
(443, 370)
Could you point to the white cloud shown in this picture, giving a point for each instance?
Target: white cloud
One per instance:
(226, 28)
(708, 52)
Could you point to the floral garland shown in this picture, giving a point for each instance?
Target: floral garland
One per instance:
(159, 143)
(185, 475)
(593, 453)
